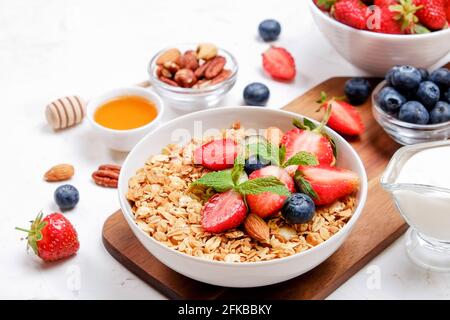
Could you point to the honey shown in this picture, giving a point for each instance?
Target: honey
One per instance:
(125, 113)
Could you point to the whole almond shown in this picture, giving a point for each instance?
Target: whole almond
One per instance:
(188, 60)
(168, 56)
(223, 75)
(206, 51)
(59, 172)
(185, 78)
(256, 227)
(215, 67)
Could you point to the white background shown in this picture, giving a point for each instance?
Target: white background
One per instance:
(50, 48)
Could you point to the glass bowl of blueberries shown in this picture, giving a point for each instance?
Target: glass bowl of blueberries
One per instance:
(413, 105)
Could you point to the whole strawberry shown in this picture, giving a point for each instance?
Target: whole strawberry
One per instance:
(52, 237)
(432, 14)
(351, 12)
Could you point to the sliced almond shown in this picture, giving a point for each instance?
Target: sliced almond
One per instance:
(256, 227)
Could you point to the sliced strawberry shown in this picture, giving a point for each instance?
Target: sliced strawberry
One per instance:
(217, 154)
(315, 142)
(223, 211)
(447, 10)
(266, 204)
(328, 183)
(324, 5)
(344, 117)
(279, 63)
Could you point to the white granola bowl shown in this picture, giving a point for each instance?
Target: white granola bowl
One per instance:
(235, 274)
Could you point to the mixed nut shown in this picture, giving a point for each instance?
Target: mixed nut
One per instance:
(192, 69)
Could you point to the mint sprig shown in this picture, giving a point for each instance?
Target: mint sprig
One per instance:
(302, 158)
(304, 185)
(263, 184)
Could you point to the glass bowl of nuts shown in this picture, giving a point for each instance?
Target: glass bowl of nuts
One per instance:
(193, 76)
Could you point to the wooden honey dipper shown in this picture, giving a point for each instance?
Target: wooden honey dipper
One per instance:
(65, 112)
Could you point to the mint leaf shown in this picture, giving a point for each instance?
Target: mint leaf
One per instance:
(267, 151)
(264, 184)
(302, 159)
(238, 168)
(220, 181)
(304, 185)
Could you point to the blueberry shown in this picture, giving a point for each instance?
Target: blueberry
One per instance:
(406, 78)
(428, 94)
(424, 73)
(269, 30)
(256, 94)
(254, 162)
(446, 95)
(390, 100)
(440, 113)
(441, 77)
(388, 75)
(357, 90)
(298, 208)
(66, 197)
(414, 112)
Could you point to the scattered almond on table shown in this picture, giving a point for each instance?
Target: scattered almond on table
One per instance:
(192, 69)
(107, 175)
(60, 172)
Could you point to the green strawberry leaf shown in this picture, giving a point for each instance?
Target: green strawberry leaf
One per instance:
(304, 185)
(299, 124)
(264, 184)
(220, 181)
(302, 158)
(308, 123)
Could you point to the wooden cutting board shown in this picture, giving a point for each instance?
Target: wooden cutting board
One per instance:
(378, 226)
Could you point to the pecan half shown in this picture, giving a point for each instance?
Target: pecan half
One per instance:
(107, 175)
(168, 81)
(225, 74)
(200, 71)
(215, 67)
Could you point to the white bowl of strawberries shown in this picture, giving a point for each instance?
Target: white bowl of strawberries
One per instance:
(375, 35)
(253, 229)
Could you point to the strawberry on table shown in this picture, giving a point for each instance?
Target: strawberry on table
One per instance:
(279, 64)
(344, 118)
(53, 237)
(223, 211)
(325, 184)
(351, 12)
(267, 203)
(309, 138)
(217, 154)
(432, 14)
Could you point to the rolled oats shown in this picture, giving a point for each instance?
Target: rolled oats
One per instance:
(166, 209)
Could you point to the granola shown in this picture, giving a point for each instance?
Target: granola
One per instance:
(165, 208)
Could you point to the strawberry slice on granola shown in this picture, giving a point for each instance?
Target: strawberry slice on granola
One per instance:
(217, 154)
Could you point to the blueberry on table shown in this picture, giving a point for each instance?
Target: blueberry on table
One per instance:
(441, 77)
(424, 73)
(357, 90)
(413, 112)
(269, 30)
(390, 100)
(256, 94)
(406, 78)
(254, 162)
(298, 208)
(440, 113)
(66, 197)
(428, 94)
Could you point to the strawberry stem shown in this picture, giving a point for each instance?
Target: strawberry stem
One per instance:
(35, 232)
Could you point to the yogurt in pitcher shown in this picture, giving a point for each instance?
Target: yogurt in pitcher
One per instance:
(426, 209)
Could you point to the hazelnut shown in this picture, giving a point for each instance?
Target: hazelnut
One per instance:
(188, 60)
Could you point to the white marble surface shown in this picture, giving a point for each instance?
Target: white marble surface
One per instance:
(49, 48)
